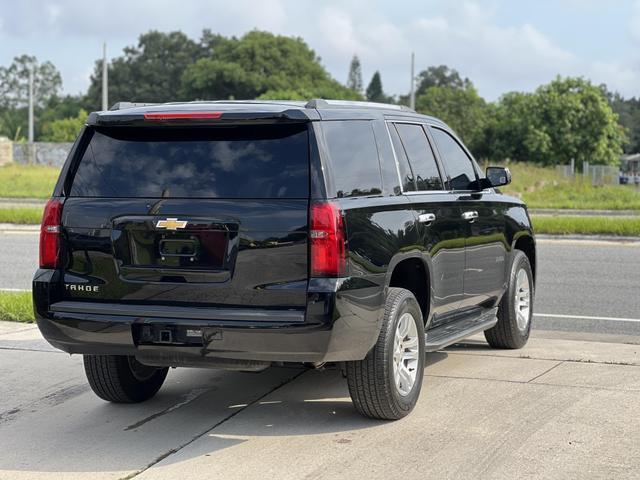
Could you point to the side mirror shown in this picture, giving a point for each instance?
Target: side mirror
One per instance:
(498, 176)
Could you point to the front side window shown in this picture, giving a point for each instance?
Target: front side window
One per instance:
(421, 157)
(457, 163)
(353, 155)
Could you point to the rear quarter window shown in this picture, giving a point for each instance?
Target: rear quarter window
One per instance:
(353, 155)
(265, 161)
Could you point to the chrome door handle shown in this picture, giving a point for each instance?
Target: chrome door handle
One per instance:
(471, 215)
(426, 218)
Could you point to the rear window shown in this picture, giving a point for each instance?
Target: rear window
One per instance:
(266, 161)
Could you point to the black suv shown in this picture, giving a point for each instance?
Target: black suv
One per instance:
(245, 234)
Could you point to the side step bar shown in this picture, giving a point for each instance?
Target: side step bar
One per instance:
(450, 333)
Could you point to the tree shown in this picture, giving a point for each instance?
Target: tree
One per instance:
(462, 109)
(628, 111)
(375, 93)
(14, 82)
(258, 63)
(65, 129)
(150, 71)
(354, 79)
(569, 118)
(440, 76)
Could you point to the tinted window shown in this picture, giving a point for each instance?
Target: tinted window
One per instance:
(354, 158)
(421, 158)
(268, 161)
(457, 163)
(408, 182)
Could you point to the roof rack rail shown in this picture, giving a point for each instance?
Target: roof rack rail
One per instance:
(322, 103)
(124, 105)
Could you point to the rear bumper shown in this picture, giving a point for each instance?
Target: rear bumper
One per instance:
(340, 323)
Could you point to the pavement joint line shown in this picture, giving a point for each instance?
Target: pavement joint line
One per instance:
(525, 357)
(22, 349)
(200, 435)
(521, 382)
(546, 371)
(587, 317)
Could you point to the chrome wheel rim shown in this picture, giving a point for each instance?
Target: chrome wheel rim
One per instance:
(522, 300)
(405, 354)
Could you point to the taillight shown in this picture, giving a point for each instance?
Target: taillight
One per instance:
(327, 240)
(50, 234)
(159, 116)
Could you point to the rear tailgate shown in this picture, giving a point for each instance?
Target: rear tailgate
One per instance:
(211, 216)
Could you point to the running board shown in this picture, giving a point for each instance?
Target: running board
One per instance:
(450, 333)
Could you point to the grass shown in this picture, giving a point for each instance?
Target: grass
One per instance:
(16, 307)
(543, 187)
(23, 216)
(587, 225)
(27, 181)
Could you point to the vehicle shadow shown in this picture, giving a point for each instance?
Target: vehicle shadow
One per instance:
(78, 434)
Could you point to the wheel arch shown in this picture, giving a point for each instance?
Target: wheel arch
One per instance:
(526, 244)
(413, 273)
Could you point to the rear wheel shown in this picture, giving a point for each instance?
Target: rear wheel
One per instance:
(122, 379)
(387, 383)
(515, 310)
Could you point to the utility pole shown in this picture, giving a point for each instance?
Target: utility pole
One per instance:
(31, 104)
(105, 96)
(412, 94)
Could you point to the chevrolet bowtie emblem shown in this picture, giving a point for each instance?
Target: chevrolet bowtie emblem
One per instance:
(171, 224)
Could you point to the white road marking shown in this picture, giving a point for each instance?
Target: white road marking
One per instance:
(586, 317)
(15, 289)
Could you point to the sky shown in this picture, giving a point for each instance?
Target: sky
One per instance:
(501, 45)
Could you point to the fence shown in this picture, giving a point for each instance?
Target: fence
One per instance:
(41, 153)
(598, 174)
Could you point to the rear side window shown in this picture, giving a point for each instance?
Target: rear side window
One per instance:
(406, 175)
(421, 157)
(353, 155)
(456, 161)
(266, 161)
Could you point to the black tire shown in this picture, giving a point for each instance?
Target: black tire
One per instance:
(371, 381)
(122, 379)
(506, 333)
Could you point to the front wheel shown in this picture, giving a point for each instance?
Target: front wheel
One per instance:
(515, 310)
(122, 379)
(387, 383)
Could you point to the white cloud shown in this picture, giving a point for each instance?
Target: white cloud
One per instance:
(634, 22)
(498, 55)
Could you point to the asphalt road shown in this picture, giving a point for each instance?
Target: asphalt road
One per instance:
(585, 287)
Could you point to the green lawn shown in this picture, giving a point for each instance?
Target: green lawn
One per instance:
(23, 216)
(544, 188)
(16, 306)
(587, 225)
(27, 181)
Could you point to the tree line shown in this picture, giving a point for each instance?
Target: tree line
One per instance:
(568, 118)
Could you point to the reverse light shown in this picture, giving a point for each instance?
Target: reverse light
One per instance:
(50, 234)
(327, 240)
(159, 116)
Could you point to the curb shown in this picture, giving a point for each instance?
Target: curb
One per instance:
(589, 238)
(562, 212)
(14, 227)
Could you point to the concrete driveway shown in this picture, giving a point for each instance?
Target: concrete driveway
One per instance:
(557, 409)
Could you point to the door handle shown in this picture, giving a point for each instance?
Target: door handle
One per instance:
(427, 218)
(470, 215)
